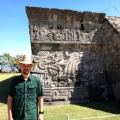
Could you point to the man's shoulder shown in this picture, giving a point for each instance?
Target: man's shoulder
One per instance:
(34, 77)
(15, 79)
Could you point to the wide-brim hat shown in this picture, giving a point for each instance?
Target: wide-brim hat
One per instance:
(26, 60)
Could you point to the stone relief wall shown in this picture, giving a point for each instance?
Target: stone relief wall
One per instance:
(69, 49)
(49, 25)
(52, 31)
(112, 52)
(73, 67)
(64, 68)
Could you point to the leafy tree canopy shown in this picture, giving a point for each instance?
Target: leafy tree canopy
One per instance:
(7, 59)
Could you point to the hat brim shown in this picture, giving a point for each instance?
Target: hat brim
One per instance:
(24, 62)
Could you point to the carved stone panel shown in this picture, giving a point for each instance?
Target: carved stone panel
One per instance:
(57, 31)
(68, 67)
(73, 51)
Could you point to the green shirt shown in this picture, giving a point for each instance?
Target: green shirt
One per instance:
(25, 97)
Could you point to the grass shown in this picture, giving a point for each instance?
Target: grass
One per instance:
(59, 112)
(85, 110)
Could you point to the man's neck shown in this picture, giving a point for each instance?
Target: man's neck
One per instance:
(25, 76)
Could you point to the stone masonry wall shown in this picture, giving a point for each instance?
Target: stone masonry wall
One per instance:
(70, 50)
(112, 52)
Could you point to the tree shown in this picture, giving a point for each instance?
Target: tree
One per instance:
(7, 59)
(0, 60)
(18, 58)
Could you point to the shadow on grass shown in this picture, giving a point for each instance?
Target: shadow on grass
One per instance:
(4, 85)
(106, 106)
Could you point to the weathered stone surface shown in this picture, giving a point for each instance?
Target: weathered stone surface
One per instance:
(96, 17)
(78, 16)
(115, 22)
(88, 16)
(56, 14)
(37, 12)
(77, 53)
(101, 17)
(68, 15)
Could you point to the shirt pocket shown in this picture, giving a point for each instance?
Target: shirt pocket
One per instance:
(19, 90)
(31, 89)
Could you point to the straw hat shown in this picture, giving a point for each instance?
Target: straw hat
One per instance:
(26, 60)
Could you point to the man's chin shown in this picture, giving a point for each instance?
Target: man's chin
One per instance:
(26, 73)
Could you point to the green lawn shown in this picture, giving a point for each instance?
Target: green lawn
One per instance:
(59, 112)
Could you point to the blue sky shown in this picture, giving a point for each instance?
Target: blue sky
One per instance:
(14, 31)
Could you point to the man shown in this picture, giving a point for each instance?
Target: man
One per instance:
(25, 94)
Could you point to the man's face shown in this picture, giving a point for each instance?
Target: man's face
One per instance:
(25, 68)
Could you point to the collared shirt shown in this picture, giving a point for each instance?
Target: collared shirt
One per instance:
(25, 97)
